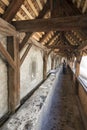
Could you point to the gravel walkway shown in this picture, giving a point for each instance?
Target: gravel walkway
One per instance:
(60, 111)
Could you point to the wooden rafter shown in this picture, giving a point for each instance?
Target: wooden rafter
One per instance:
(25, 54)
(43, 38)
(25, 39)
(7, 29)
(39, 3)
(27, 12)
(56, 33)
(33, 7)
(52, 24)
(41, 14)
(35, 43)
(12, 9)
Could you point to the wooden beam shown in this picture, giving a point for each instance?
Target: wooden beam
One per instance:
(74, 9)
(45, 57)
(44, 10)
(41, 14)
(25, 53)
(13, 74)
(56, 8)
(52, 24)
(7, 29)
(7, 56)
(12, 9)
(25, 39)
(35, 43)
(83, 46)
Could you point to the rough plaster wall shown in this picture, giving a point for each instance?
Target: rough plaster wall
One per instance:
(3, 82)
(49, 63)
(26, 82)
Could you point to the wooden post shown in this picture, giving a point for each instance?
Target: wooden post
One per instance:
(78, 60)
(77, 72)
(13, 74)
(45, 57)
(52, 62)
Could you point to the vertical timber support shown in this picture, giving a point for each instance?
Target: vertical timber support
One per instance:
(45, 57)
(78, 60)
(52, 62)
(13, 74)
(77, 72)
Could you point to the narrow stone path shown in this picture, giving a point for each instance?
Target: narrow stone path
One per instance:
(60, 111)
(26, 117)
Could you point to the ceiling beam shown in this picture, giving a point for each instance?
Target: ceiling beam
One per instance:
(44, 10)
(52, 24)
(25, 54)
(12, 10)
(37, 44)
(41, 15)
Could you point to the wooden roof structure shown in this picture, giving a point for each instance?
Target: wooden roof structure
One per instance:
(57, 25)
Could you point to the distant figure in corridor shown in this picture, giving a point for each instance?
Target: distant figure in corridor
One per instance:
(64, 67)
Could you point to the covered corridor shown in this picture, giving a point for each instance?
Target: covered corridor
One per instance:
(36, 37)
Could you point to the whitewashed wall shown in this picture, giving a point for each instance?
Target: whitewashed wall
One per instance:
(3, 82)
(26, 82)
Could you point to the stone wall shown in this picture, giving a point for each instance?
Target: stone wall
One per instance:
(31, 71)
(3, 82)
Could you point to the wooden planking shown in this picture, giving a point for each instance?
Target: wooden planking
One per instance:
(44, 10)
(43, 38)
(7, 29)
(25, 54)
(32, 6)
(52, 24)
(7, 56)
(6, 2)
(27, 12)
(1, 10)
(12, 9)
(39, 3)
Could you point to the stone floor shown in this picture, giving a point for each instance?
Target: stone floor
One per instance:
(52, 107)
(60, 111)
